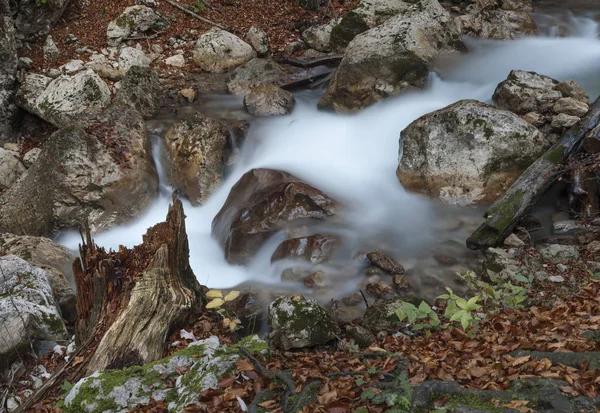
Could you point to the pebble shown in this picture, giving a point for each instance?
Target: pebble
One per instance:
(556, 279)
(562, 267)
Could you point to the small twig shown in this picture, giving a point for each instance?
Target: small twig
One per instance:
(359, 373)
(364, 298)
(304, 398)
(152, 36)
(194, 15)
(260, 396)
(218, 10)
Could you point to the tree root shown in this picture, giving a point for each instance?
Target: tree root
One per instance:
(289, 400)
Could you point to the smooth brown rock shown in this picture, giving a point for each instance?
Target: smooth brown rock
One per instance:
(385, 262)
(261, 203)
(314, 249)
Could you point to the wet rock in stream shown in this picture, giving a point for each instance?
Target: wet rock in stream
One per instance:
(261, 203)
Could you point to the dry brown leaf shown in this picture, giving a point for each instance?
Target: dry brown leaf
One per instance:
(520, 360)
(520, 405)
(244, 365)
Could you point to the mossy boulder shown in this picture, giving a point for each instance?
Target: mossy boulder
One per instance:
(525, 92)
(134, 21)
(101, 170)
(28, 311)
(382, 316)
(65, 100)
(140, 89)
(467, 153)
(364, 16)
(297, 322)
(392, 57)
(218, 51)
(193, 370)
(197, 151)
(54, 258)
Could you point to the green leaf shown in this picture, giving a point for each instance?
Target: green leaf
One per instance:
(462, 303)
(473, 301)
(367, 395)
(372, 370)
(520, 278)
(443, 296)
(360, 381)
(465, 320)
(424, 307)
(456, 316)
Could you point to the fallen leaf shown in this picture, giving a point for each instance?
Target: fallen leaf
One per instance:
(520, 360)
(226, 381)
(232, 296)
(244, 365)
(216, 303)
(214, 294)
(519, 405)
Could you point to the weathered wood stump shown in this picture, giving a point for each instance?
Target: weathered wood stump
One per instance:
(133, 299)
(129, 302)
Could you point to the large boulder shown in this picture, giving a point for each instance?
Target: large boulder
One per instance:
(134, 21)
(36, 18)
(218, 51)
(497, 24)
(364, 16)
(297, 323)
(269, 100)
(523, 92)
(261, 203)
(54, 258)
(397, 55)
(28, 311)
(197, 148)
(319, 37)
(252, 74)
(467, 153)
(101, 171)
(140, 89)
(8, 75)
(66, 99)
(11, 168)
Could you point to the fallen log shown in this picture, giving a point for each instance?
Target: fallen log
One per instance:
(303, 77)
(503, 215)
(328, 60)
(129, 302)
(591, 144)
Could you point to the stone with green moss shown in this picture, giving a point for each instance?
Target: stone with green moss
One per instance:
(297, 322)
(28, 310)
(134, 21)
(197, 368)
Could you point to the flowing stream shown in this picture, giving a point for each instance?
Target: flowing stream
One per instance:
(354, 158)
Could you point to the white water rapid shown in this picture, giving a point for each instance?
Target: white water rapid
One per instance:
(354, 157)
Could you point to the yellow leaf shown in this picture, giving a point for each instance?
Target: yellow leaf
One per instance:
(216, 303)
(232, 296)
(377, 349)
(214, 294)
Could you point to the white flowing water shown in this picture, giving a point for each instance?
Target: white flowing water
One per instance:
(354, 157)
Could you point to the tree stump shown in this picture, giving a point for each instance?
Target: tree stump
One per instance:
(129, 301)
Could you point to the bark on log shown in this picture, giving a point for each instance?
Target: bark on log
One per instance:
(504, 214)
(591, 144)
(329, 60)
(133, 299)
(303, 77)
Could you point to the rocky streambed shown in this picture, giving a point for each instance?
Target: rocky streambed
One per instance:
(316, 216)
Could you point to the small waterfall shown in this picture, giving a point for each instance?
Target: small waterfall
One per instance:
(354, 158)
